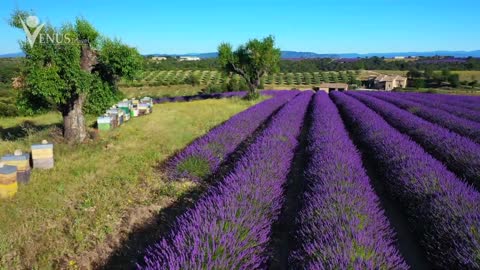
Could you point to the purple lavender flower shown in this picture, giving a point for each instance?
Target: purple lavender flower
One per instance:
(455, 108)
(229, 227)
(459, 125)
(341, 224)
(442, 209)
(204, 155)
(459, 154)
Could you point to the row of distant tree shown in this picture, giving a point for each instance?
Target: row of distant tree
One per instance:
(429, 78)
(9, 67)
(327, 64)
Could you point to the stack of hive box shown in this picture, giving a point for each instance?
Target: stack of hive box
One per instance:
(134, 111)
(22, 162)
(105, 122)
(120, 114)
(123, 111)
(114, 114)
(145, 106)
(8, 181)
(126, 107)
(42, 155)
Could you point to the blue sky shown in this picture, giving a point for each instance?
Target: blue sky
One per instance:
(322, 26)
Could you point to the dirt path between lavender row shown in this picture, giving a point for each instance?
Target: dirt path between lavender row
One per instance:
(282, 240)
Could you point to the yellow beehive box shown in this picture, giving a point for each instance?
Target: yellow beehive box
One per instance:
(42, 153)
(43, 150)
(21, 161)
(8, 181)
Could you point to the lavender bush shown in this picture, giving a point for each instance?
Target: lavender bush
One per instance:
(459, 125)
(459, 154)
(432, 101)
(341, 225)
(443, 210)
(469, 102)
(204, 156)
(229, 226)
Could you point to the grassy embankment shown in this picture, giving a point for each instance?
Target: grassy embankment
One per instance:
(76, 206)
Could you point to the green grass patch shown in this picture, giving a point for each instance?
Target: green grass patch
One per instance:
(196, 166)
(468, 75)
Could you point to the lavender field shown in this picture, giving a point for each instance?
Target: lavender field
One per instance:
(346, 180)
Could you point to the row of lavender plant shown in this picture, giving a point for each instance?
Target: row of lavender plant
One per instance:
(229, 227)
(203, 157)
(341, 213)
(461, 126)
(432, 101)
(460, 154)
(469, 102)
(442, 210)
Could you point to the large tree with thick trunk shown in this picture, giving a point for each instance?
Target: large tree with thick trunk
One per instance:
(72, 69)
(251, 61)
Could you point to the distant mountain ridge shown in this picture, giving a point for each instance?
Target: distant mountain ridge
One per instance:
(12, 55)
(309, 55)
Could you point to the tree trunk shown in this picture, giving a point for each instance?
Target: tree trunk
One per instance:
(74, 127)
(252, 89)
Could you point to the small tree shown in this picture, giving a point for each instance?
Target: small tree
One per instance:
(75, 67)
(192, 80)
(454, 80)
(251, 61)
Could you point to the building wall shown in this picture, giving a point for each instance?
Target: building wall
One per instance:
(323, 89)
(327, 89)
(390, 85)
(400, 83)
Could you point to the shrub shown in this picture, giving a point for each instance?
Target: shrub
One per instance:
(192, 80)
(213, 89)
(8, 110)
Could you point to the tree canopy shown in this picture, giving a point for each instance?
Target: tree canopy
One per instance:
(251, 61)
(72, 68)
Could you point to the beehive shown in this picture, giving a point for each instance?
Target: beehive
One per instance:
(143, 109)
(119, 114)
(126, 106)
(8, 181)
(149, 102)
(42, 155)
(134, 112)
(121, 117)
(22, 162)
(104, 123)
(116, 118)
